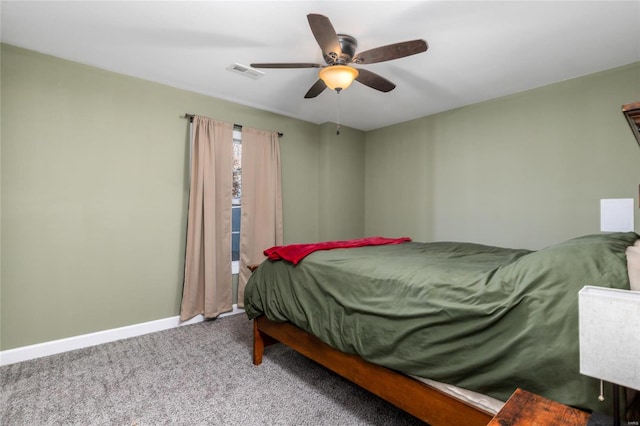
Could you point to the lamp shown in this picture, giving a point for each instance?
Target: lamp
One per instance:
(610, 338)
(338, 77)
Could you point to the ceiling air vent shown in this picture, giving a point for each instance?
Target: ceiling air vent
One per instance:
(245, 70)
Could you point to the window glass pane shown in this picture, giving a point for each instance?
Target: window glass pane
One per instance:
(235, 246)
(237, 171)
(235, 219)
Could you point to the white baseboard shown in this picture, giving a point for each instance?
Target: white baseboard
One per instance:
(53, 347)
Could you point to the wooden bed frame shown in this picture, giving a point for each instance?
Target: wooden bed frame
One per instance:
(415, 397)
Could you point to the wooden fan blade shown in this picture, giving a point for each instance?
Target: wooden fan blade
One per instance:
(391, 51)
(325, 35)
(287, 65)
(375, 81)
(316, 89)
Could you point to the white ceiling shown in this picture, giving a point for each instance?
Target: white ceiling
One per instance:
(478, 50)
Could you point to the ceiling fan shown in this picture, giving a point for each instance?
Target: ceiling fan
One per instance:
(339, 52)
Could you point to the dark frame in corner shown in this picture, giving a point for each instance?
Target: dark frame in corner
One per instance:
(632, 113)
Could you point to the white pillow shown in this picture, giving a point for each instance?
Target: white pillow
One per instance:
(633, 265)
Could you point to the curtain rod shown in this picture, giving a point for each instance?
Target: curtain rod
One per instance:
(190, 117)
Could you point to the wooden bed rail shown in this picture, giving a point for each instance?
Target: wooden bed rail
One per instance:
(415, 397)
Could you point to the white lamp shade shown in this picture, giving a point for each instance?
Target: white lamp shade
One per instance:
(610, 335)
(338, 77)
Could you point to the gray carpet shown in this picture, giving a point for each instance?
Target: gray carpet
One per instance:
(198, 374)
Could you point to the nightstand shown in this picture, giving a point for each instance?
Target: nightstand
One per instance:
(527, 409)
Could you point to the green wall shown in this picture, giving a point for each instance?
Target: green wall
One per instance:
(342, 183)
(94, 194)
(527, 170)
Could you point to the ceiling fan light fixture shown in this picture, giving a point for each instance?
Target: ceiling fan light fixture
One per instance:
(338, 77)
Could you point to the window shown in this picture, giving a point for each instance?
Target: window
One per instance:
(235, 204)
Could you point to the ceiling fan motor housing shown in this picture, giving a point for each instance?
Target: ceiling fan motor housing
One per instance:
(348, 45)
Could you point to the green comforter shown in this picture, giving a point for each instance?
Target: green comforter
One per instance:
(483, 318)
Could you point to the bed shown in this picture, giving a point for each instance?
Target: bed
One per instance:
(424, 324)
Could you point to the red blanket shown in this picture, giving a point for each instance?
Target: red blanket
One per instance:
(294, 253)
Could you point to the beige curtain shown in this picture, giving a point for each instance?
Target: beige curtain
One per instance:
(261, 220)
(207, 272)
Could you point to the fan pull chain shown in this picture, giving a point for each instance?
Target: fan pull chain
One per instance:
(338, 119)
(601, 397)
